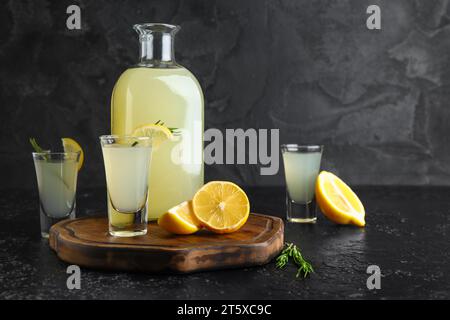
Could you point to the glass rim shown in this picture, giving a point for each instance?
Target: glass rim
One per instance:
(56, 153)
(56, 156)
(125, 136)
(146, 28)
(293, 147)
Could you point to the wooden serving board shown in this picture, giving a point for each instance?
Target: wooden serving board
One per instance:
(86, 242)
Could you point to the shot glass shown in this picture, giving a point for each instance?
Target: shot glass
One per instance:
(301, 167)
(56, 175)
(127, 162)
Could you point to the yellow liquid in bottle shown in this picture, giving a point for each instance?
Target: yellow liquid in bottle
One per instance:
(172, 95)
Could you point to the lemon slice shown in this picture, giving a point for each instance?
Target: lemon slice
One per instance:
(180, 219)
(158, 132)
(337, 201)
(221, 206)
(71, 145)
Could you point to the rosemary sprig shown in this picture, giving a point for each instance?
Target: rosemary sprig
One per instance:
(291, 251)
(35, 146)
(38, 148)
(283, 258)
(172, 129)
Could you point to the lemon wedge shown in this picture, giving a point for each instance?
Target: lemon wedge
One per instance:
(70, 145)
(221, 206)
(180, 219)
(337, 201)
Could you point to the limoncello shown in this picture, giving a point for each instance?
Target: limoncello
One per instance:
(301, 167)
(301, 170)
(127, 186)
(57, 183)
(127, 162)
(158, 89)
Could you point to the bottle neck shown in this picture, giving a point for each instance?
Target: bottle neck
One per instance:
(157, 50)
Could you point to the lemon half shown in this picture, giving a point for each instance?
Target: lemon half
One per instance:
(337, 201)
(221, 206)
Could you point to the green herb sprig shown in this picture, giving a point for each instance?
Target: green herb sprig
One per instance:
(172, 130)
(35, 146)
(38, 149)
(291, 251)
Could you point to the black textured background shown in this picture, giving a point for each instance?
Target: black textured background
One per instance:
(377, 100)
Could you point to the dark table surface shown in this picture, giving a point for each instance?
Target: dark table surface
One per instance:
(407, 235)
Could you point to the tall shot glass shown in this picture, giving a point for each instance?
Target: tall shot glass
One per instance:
(127, 162)
(56, 174)
(301, 168)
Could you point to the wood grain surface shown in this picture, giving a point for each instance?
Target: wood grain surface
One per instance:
(86, 242)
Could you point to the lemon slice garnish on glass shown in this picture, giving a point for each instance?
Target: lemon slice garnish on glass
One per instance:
(71, 145)
(221, 206)
(158, 132)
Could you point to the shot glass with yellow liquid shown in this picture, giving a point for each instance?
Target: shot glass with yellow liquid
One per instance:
(301, 168)
(127, 162)
(56, 174)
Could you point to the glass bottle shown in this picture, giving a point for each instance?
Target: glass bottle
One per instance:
(159, 89)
